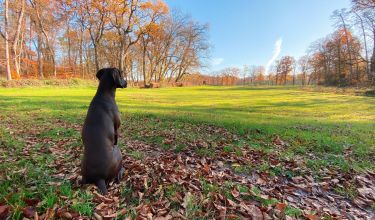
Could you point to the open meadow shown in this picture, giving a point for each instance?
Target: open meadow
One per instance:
(195, 152)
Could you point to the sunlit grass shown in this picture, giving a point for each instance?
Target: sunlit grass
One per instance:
(309, 121)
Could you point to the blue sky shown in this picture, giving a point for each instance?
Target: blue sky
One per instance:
(246, 31)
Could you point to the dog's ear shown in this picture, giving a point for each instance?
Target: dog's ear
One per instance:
(99, 74)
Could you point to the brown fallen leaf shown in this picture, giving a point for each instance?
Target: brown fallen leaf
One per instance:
(36, 216)
(140, 195)
(101, 206)
(49, 214)
(222, 210)
(261, 181)
(232, 216)
(255, 212)
(4, 211)
(102, 198)
(64, 214)
(31, 202)
(278, 142)
(231, 203)
(168, 217)
(312, 217)
(145, 182)
(366, 192)
(235, 193)
(97, 216)
(116, 214)
(206, 168)
(298, 179)
(28, 212)
(281, 206)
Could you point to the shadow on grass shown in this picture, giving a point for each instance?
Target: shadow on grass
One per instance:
(290, 119)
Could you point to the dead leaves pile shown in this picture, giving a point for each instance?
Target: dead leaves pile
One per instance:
(161, 170)
(164, 184)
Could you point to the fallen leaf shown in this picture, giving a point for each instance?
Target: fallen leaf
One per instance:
(97, 216)
(235, 193)
(312, 217)
(4, 211)
(281, 206)
(31, 202)
(278, 142)
(28, 212)
(101, 206)
(206, 168)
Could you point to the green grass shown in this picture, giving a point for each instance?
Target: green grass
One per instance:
(324, 129)
(323, 123)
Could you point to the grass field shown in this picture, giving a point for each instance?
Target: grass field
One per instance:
(325, 135)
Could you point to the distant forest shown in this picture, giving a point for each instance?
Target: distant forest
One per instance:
(153, 44)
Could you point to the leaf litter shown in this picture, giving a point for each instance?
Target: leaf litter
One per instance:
(186, 184)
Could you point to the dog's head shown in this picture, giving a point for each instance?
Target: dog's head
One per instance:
(114, 75)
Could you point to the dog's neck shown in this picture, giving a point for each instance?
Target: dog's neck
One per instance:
(106, 88)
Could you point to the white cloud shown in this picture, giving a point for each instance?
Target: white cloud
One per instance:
(275, 54)
(217, 61)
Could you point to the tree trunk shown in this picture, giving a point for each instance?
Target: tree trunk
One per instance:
(7, 58)
(122, 55)
(144, 64)
(372, 67)
(349, 47)
(17, 42)
(96, 57)
(303, 78)
(69, 46)
(40, 61)
(81, 54)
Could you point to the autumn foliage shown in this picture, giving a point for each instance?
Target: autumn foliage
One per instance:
(74, 38)
(153, 44)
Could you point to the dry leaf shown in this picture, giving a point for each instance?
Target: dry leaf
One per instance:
(281, 206)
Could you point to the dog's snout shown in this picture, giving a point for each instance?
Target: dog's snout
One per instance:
(124, 83)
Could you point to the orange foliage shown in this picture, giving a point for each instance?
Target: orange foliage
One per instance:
(158, 7)
(15, 75)
(260, 77)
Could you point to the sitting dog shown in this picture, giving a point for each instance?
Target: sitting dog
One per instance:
(102, 158)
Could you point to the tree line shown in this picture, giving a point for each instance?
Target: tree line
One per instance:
(345, 57)
(151, 43)
(71, 38)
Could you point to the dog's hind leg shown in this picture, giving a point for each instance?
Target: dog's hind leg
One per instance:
(102, 186)
(117, 157)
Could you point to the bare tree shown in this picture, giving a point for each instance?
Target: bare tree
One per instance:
(94, 17)
(303, 64)
(40, 22)
(364, 11)
(17, 39)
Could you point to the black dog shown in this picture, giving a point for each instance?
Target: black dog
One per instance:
(102, 158)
